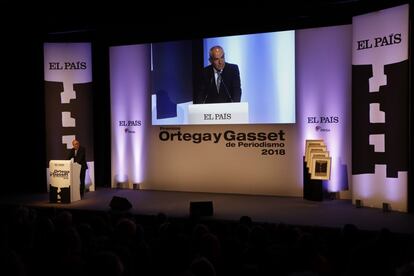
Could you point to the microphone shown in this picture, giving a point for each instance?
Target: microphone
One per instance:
(212, 81)
(225, 86)
(205, 99)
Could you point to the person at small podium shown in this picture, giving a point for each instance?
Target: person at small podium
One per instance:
(219, 82)
(78, 153)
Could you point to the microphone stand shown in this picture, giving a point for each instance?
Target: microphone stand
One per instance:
(205, 99)
(225, 88)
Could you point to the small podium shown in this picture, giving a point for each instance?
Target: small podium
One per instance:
(64, 181)
(218, 113)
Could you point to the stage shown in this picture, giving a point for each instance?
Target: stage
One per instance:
(271, 209)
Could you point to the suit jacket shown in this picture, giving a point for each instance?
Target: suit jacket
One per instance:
(230, 88)
(80, 157)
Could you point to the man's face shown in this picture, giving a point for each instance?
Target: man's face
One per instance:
(217, 59)
(75, 145)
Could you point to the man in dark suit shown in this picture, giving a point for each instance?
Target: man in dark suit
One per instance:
(78, 153)
(220, 81)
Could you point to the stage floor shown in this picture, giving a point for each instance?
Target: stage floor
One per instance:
(272, 209)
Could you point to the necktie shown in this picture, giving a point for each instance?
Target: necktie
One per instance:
(218, 81)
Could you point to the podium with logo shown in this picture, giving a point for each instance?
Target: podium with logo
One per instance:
(218, 113)
(64, 181)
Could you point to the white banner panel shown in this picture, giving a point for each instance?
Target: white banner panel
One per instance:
(323, 77)
(130, 106)
(69, 101)
(380, 107)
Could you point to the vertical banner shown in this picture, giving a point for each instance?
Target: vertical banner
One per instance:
(69, 101)
(130, 75)
(323, 79)
(380, 108)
